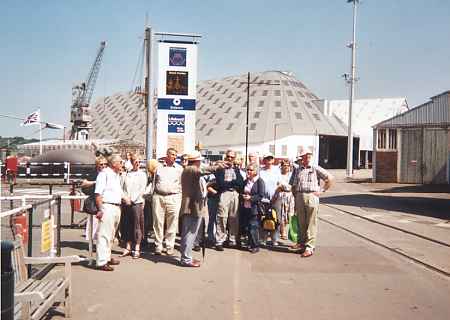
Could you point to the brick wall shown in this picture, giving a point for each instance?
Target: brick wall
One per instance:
(386, 166)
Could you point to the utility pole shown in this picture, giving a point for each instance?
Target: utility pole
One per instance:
(147, 98)
(351, 80)
(246, 121)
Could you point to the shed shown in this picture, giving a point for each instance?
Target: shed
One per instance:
(414, 147)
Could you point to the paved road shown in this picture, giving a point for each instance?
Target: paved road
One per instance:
(349, 277)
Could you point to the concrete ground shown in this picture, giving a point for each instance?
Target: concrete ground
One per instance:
(383, 253)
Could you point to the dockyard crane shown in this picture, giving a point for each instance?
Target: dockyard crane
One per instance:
(80, 115)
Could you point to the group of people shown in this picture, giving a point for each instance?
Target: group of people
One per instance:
(221, 204)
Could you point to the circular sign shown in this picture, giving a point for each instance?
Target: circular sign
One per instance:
(176, 101)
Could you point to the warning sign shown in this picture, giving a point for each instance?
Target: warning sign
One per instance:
(46, 235)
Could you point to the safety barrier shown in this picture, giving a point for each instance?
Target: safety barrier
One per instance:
(30, 209)
(63, 170)
(52, 244)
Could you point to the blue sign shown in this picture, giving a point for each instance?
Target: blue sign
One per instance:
(177, 57)
(176, 104)
(175, 123)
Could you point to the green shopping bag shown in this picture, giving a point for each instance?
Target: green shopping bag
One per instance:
(293, 229)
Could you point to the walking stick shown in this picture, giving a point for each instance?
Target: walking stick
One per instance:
(203, 239)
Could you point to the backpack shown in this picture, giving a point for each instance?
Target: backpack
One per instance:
(269, 220)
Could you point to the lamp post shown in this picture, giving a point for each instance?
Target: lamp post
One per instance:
(248, 110)
(351, 80)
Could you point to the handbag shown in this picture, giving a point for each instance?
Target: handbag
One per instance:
(293, 228)
(89, 205)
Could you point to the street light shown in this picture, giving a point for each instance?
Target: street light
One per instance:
(351, 79)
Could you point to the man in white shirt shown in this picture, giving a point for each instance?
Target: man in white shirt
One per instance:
(109, 195)
(271, 175)
(167, 202)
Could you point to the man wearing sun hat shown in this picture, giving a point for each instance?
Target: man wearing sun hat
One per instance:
(193, 205)
(306, 189)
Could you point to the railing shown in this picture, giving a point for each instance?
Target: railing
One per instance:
(54, 202)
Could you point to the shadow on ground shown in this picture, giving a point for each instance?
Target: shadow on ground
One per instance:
(422, 188)
(423, 206)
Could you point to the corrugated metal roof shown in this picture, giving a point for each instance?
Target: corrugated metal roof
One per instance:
(221, 111)
(289, 104)
(434, 112)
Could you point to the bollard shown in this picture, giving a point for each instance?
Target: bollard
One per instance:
(7, 307)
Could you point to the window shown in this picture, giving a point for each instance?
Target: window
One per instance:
(277, 103)
(220, 88)
(234, 81)
(230, 126)
(277, 93)
(209, 131)
(256, 116)
(231, 95)
(206, 111)
(284, 150)
(277, 115)
(261, 103)
(285, 82)
(214, 84)
(298, 115)
(221, 105)
(225, 91)
(300, 94)
(210, 98)
(289, 93)
(308, 104)
(387, 139)
(316, 116)
(215, 101)
(237, 99)
(381, 144)
(294, 104)
(218, 121)
(212, 115)
(253, 126)
(238, 115)
(264, 93)
(392, 139)
(228, 110)
(253, 93)
(203, 126)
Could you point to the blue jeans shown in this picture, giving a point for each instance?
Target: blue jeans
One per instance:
(189, 229)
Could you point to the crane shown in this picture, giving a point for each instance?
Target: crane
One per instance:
(81, 96)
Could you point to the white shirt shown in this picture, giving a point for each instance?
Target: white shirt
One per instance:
(134, 185)
(108, 185)
(271, 178)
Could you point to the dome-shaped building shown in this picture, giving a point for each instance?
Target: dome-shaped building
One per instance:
(284, 115)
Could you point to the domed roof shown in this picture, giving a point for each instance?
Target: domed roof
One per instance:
(72, 156)
(275, 98)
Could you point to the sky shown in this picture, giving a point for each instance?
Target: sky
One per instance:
(403, 47)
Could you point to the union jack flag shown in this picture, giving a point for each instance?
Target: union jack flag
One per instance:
(34, 118)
